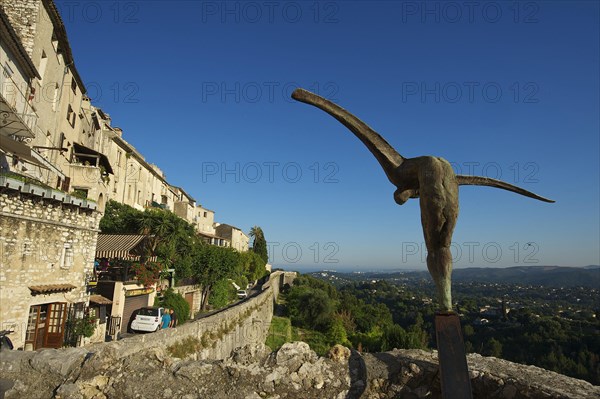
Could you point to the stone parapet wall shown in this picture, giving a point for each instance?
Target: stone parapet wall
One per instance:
(415, 373)
(293, 372)
(217, 335)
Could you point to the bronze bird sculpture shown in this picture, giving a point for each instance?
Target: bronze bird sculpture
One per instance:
(429, 178)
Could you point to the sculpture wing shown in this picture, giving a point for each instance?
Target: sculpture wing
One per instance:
(486, 181)
(386, 155)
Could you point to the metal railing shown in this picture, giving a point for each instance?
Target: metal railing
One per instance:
(17, 100)
(114, 325)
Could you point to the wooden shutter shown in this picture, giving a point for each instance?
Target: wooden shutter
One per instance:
(65, 184)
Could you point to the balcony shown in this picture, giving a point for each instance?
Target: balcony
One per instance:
(85, 176)
(155, 204)
(17, 115)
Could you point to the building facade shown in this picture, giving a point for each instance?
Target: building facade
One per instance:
(47, 257)
(239, 240)
(61, 160)
(53, 104)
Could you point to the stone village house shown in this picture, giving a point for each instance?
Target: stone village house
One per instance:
(47, 237)
(47, 254)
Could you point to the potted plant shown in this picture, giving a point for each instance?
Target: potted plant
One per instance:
(32, 188)
(57, 195)
(77, 197)
(12, 180)
(90, 204)
(75, 200)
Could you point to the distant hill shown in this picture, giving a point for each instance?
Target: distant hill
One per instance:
(588, 276)
(552, 276)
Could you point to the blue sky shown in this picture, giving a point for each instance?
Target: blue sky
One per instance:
(501, 89)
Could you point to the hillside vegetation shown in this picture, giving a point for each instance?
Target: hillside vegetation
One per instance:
(376, 316)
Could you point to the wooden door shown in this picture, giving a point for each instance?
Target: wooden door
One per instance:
(55, 325)
(33, 322)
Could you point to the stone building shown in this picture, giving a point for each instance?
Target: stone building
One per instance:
(47, 237)
(205, 220)
(205, 227)
(64, 140)
(18, 123)
(54, 103)
(185, 205)
(47, 256)
(61, 160)
(239, 241)
(136, 182)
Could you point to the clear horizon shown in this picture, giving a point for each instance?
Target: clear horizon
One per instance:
(504, 90)
(350, 269)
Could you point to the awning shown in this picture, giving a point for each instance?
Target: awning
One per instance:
(19, 149)
(121, 246)
(81, 150)
(50, 288)
(14, 123)
(100, 300)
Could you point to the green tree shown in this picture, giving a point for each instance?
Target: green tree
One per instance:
(120, 219)
(252, 265)
(337, 333)
(310, 308)
(394, 336)
(493, 347)
(468, 330)
(222, 293)
(170, 238)
(211, 264)
(259, 244)
(417, 336)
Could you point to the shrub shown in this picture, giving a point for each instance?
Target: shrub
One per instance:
(174, 300)
(185, 347)
(147, 273)
(86, 326)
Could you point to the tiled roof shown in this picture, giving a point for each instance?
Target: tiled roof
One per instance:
(100, 300)
(50, 288)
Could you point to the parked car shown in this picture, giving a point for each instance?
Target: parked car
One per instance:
(148, 319)
(242, 294)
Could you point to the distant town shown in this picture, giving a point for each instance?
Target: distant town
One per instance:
(553, 323)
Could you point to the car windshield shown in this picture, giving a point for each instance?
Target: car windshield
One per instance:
(148, 312)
